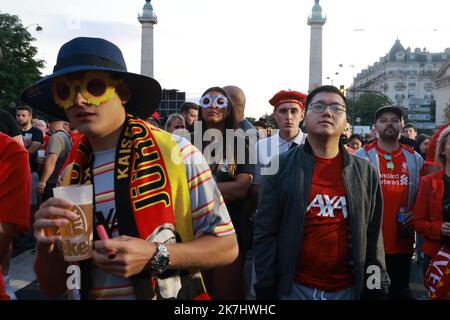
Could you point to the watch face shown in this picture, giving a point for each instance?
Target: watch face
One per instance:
(161, 260)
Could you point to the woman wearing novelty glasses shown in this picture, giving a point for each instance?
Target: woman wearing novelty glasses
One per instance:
(234, 180)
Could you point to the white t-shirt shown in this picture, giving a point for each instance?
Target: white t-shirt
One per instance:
(268, 149)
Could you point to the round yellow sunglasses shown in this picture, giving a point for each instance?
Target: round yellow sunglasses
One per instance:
(96, 87)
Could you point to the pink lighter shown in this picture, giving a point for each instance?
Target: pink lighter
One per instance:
(104, 236)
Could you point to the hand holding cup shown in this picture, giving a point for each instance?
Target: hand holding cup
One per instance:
(52, 214)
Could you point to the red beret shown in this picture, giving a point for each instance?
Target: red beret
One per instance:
(288, 96)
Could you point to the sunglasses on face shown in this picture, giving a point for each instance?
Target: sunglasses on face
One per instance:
(320, 107)
(208, 101)
(95, 87)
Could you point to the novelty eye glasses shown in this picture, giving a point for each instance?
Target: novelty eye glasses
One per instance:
(95, 87)
(208, 101)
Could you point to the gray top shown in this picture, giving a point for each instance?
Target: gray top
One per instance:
(59, 144)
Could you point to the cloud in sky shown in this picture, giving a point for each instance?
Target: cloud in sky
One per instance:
(259, 45)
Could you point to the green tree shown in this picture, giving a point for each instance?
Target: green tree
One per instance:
(19, 68)
(364, 107)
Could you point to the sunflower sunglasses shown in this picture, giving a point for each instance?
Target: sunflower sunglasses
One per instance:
(95, 87)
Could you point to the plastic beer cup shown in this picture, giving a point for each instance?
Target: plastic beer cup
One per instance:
(77, 236)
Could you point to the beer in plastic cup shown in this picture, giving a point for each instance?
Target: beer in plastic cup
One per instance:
(77, 236)
(41, 153)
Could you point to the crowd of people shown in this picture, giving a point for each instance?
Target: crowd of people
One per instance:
(208, 205)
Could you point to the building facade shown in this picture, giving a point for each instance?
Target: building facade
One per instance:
(407, 78)
(442, 94)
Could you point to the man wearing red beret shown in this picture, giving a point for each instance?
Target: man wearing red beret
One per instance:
(289, 111)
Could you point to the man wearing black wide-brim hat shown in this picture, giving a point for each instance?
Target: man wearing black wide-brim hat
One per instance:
(161, 210)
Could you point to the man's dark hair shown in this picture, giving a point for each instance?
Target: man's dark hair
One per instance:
(409, 125)
(185, 107)
(327, 88)
(25, 107)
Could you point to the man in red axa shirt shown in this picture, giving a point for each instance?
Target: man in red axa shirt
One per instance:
(399, 168)
(318, 224)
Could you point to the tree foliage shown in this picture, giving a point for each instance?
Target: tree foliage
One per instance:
(19, 68)
(364, 107)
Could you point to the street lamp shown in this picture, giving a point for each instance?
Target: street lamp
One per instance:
(38, 27)
(331, 79)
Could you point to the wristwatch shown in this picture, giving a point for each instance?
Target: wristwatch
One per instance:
(160, 260)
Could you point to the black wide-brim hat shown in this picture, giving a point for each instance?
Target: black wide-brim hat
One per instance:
(94, 54)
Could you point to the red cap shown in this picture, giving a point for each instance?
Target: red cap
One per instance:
(155, 116)
(288, 96)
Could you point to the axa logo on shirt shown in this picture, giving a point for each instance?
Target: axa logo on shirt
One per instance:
(328, 204)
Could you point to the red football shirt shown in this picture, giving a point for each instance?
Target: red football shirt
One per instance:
(323, 261)
(14, 188)
(395, 188)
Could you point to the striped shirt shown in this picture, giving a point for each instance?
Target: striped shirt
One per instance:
(209, 213)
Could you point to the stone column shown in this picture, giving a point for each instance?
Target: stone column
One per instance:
(148, 19)
(316, 21)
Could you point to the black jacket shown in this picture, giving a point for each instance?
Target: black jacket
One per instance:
(280, 219)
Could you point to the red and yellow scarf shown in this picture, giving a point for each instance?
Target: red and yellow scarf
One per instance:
(151, 192)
